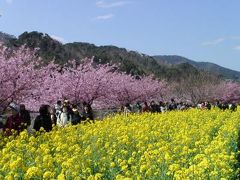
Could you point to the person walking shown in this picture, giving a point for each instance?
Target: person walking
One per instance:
(43, 119)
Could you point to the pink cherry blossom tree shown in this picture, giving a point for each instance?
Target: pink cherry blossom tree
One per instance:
(25, 79)
(84, 82)
(21, 78)
(104, 86)
(127, 89)
(229, 92)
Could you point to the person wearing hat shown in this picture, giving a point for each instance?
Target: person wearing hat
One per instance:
(14, 122)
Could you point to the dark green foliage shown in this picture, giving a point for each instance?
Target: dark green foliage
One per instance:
(6, 37)
(129, 61)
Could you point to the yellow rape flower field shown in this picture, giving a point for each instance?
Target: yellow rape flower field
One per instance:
(193, 144)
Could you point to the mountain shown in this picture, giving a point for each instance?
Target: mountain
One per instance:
(131, 62)
(207, 66)
(170, 68)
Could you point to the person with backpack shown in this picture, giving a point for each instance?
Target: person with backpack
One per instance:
(43, 119)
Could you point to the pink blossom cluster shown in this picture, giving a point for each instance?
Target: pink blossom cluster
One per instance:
(26, 79)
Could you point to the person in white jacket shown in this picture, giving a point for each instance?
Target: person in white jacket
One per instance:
(64, 118)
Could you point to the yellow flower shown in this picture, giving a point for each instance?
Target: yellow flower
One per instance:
(130, 160)
(61, 177)
(98, 176)
(186, 145)
(124, 168)
(48, 175)
(174, 167)
(112, 165)
(9, 177)
(33, 172)
(143, 168)
(148, 172)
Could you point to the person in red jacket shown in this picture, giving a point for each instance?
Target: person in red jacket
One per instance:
(14, 122)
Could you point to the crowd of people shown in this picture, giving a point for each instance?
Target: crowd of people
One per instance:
(65, 113)
(161, 107)
(61, 114)
(19, 119)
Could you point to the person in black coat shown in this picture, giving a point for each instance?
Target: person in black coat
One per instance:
(25, 116)
(76, 118)
(43, 119)
(154, 107)
(87, 111)
(172, 105)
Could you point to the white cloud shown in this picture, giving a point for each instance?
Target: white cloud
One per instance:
(105, 17)
(60, 39)
(104, 4)
(214, 42)
(232, 39)
(9, 1)
(237, 48)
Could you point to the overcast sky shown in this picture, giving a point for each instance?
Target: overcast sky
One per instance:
(204, 30)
